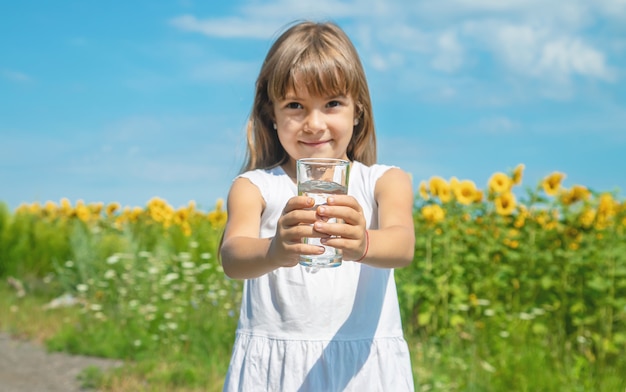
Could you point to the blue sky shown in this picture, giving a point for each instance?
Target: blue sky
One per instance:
(123, 101)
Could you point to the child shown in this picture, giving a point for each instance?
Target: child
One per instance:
(338, 329)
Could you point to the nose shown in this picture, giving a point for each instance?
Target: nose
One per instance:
(314, 121)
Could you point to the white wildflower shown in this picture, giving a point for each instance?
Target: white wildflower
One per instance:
(538, 311)
(113, 259)
(526, 316)
(487, 366)
(170, 277)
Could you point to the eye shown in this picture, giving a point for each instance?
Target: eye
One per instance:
(333, 104)
(293, 105)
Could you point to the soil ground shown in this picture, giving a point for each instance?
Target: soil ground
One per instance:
(28, 367)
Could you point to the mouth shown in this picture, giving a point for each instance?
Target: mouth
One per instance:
(316, 144)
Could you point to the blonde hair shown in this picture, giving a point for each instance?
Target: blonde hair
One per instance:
(321, 57)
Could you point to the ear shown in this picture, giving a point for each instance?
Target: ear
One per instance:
(358, 113)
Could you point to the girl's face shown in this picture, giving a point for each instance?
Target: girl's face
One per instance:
(314, 126)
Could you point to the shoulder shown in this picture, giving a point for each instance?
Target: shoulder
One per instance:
(271, 186)
(262, 175)
(377, 172)
(383, 179)
(244, 195)
(394, 184)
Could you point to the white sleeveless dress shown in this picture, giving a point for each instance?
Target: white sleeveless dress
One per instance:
(335, 330)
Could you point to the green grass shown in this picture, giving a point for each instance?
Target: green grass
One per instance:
(481, 362)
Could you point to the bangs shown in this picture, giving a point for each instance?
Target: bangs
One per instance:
(316, 71)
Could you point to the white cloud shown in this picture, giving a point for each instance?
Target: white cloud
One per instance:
(550, 44)
(15, 76)
(498, 125)
(541, 52)
(567, 56)
(225, 71)
(320, 9)
(613, 8)
(233, 27)
(449, 57)
(264, 20)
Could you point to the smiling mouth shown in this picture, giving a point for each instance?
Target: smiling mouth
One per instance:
(315, 144)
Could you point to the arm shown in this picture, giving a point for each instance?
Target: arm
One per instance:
(244, 254)
(392, 245)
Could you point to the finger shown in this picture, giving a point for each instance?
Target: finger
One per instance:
(344, 200)
(298, 203)
(347, 214)
(337, 230)
(298, 217)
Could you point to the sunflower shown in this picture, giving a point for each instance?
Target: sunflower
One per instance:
(96, 208)
(505, 203)
(112, 207)
(478, 196)
(576, 194)
(134, 214)
(500, 183)
(518, 173)
(433, 213)
(522, 215)
(465, 192)
(181, 216)
(82, 211)
(423, 190)
(587, 217)
(552, 183)
(50, 208)
(218, 216)
(35, 208)
(607, 205)
(440, 188)
(66, 207)
(454, 183)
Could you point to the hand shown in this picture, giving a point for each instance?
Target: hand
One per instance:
(348, 233)
(295, 223)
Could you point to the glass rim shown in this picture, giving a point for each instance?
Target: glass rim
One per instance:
(323, 161)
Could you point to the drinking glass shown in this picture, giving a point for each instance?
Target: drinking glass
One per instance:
(320, 178)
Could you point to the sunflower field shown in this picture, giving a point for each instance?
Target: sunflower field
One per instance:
(510, 288)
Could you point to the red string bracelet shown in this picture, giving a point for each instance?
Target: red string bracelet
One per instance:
(367, 246)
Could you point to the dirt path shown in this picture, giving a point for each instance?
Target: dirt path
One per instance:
(27, 367)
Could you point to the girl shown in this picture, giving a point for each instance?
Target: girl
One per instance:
(338, 329)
